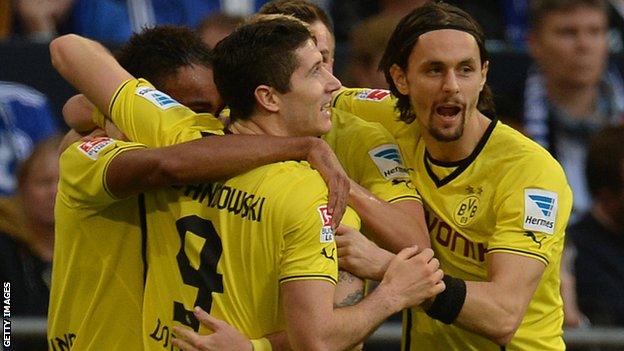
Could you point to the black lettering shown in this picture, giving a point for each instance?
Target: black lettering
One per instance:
(224, 197)
(236, 205)
(195, 189)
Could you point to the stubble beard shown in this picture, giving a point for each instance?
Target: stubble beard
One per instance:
(439, 135)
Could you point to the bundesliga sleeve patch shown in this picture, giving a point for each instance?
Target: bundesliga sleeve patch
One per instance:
(92, 148)
(388, 160)
(158, 98)
(540, 210)
(327, 233)
(373, 95)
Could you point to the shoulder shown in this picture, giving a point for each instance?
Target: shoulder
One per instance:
(514, 150)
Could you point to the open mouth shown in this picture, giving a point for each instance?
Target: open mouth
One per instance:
(448, 111)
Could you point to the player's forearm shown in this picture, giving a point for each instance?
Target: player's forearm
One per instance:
(221, 157)
(351, 325)
(490, 312)
(349, 290)
(88, 66)
(401, 225)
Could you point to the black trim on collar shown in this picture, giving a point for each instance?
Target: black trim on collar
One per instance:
(462, 164)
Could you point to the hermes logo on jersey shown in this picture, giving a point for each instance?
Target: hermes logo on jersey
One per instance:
(540, 210)
(388, 160)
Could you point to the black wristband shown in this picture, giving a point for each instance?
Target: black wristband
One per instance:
(448, 303)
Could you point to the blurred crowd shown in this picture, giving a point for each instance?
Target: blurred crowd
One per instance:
(570, 100)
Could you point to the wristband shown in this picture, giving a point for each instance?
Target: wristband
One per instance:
(448, 303)
(261, 344)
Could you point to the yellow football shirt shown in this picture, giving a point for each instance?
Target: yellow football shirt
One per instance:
(370, 156)
(97, 277)
(232, 244)
(197, 254)
(378, 105)
(508, 196)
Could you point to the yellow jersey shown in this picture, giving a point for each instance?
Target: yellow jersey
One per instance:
(378, 105)
(509, 196)
(370, 157)
(97, 277)
(224, 246)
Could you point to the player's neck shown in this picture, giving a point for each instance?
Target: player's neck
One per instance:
(260, 124)
(460, 149)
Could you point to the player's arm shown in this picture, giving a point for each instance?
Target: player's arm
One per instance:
(89, 67)
(349, 291)
(495, 308)
(392, 226)
(211, 158)
(314, 324)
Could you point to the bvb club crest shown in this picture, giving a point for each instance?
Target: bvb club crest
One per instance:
(466, 210)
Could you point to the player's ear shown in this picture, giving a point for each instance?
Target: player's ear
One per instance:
(484, 71)
(267, 98)
(399, 79)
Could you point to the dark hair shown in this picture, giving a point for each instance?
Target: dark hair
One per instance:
(304, 10)
(156, 53)
(257, 53)
(605, 160)
(539, 9)
(431, 16)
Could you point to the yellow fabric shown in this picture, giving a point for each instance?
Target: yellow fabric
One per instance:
(480, 211)
(377, 105)
(245, 236)
(365, 150)
(143, 113)
(261, 345)
(97, 277)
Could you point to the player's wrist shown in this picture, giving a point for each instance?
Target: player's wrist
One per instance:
(447, 304)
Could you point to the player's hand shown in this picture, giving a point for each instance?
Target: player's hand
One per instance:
(323, 159)
(359, 255)
(412, 277)
(224, 337)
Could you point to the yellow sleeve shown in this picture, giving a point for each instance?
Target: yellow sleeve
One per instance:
(152, 117)
(371, 157)
(262, 344)
(533, 210)
(309, 249)
(373, 105)
(83, 167)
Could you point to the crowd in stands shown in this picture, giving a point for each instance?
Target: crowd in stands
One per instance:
(570, 101)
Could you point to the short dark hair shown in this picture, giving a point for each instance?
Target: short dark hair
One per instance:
(257, 53)
(605, 161)
(539, 9)
(156, 53)
(304, 10)
(431, 16)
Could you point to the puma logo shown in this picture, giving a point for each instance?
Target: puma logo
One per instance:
(329, 256)
(534, 238)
